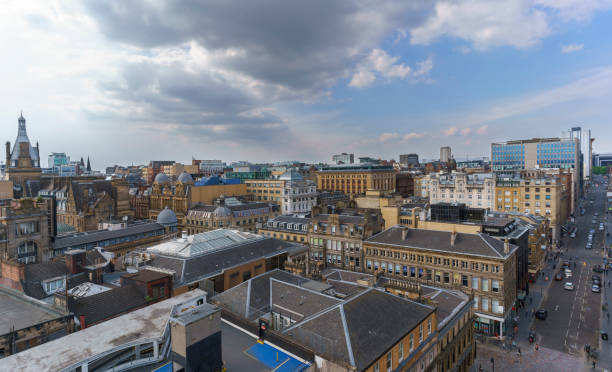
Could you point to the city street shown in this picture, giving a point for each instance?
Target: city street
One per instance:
(574, 317)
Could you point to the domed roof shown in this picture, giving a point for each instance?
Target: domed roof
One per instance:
(222, 211)
(185, 178)
(161, 178)
(166, 217)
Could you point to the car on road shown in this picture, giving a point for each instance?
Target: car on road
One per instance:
(595, 214)
(559, 276)
(532, 337)
(595, 277)
(598, 269)
(589, 245)
(568, 286)
(595, 289)
(593, 221)
(572, 235)
(568, 273)
(541, 314)
(592, 231)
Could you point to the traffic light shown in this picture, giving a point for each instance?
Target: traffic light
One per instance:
(263, 326)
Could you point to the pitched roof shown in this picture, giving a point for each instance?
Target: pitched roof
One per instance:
(468, 244)
(358, 331)
(215, 261)
(78, 239)
(108, 304)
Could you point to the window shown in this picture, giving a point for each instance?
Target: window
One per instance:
(485, 304)
(376, 367)
(495, 285)
(474, 283)
(495, 306)
(428, 326)
(485, 284)
(420, 333)
(476, 299)
(389, 361)
(400, 351)
(411, 342)
(464, 280)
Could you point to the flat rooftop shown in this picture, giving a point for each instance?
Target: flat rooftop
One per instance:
(142, 324)
(20, 311)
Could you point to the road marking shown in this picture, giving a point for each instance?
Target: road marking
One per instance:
(556, 307)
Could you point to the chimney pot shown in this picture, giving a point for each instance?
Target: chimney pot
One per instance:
(506, 246)
(404, 233)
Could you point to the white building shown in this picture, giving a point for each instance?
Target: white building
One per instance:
(299, 195)
(474, 190)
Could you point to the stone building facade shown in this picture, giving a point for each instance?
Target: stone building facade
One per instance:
(238, 216)
(356, 178)
(476, 264)
(473, 190)
(25, 230)
(336, 239)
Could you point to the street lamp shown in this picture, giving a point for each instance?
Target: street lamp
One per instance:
(493, 363)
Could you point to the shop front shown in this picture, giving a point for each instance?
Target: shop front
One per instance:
(489, 326)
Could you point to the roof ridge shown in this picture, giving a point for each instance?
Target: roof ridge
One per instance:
(347, 336)
(489, 244)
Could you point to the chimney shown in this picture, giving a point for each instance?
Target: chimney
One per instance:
(453, 238)
(8, 155)
(404, 233)
(506, 246)
(75, 260)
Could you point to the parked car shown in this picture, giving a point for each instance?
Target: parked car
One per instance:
(559, 277)
(568, 286)
(572, 235)
(541, 314)
(595, 277)
(589, 246)
(532, 337)
(595, 288)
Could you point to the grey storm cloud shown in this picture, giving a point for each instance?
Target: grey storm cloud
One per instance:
(294, 51)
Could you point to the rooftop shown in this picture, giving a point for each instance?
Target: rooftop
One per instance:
(219, 250)
(351, 332)
(467, 244)
(64, 353)
(100, 235)
(20, 311)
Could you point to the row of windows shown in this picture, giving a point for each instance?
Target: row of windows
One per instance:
(405, 347)
(405, 256)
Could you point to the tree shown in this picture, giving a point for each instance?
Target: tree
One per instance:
(600, 170)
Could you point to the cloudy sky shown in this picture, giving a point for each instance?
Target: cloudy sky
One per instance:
(131, 81)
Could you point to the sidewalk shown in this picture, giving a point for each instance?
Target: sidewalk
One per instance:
(605, 347)
(538, 292)
(530, 360)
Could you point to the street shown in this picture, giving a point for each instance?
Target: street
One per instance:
(574, 316)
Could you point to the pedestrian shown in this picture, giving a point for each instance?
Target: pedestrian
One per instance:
(608, 284)
(537, 347)
(519, 351)
(593, 364)
(608, 317)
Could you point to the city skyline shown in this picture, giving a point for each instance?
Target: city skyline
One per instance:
(134, 82)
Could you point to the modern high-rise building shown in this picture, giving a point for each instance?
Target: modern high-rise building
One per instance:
(535, 153)
(409, 160)
(445, 154)
(57, 159)
(343, 158)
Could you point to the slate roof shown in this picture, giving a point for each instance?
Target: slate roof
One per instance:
(468, 244)
(145, 275)
(77, 239)
(108, 304)
(357, 220)
(215, 261)
(361, 329)
(353, 332)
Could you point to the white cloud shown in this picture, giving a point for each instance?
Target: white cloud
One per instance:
(380, 63)
(485, 24)
(570, 48)
(482, 130)
(399, 137)
(450, 131)
(465, 131)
